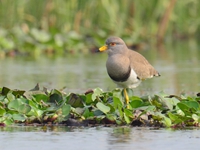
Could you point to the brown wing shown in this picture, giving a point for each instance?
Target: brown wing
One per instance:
(141, 66)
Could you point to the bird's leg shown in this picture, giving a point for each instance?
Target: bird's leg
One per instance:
(126, 98)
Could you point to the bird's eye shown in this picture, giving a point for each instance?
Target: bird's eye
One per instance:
(112, 44)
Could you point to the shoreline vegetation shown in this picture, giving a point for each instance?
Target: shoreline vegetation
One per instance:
(57, 27)
(95, 107)
(30, 28)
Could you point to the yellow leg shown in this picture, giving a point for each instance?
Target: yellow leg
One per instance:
(126, 98)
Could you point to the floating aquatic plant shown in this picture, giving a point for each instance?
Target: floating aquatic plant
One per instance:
(96, 107)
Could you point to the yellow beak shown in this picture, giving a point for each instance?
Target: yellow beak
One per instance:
(103, 48)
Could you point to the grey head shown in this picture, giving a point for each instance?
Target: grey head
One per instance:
(116, 46)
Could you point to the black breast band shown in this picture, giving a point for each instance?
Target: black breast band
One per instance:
(121, 78)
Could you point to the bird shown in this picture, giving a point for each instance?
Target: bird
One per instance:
(126, 67)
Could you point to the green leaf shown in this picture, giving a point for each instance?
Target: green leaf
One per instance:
(156, 103)
(88, 100)
(36, 112)
(8, 121)
(2, 111)
(132, 98)
(192, 104)
(14, 104)
(111, 117)
(66, 110)
(117, 93)
(19, 117)
(87, 113)
(119, 122)
(24, 108)
(55, 97)
(136, 103)
(128, 113)
(10, 97)
(19, 105)
(121, 113)
(174, 118)
(183, 107)
(171, 102)
(167, 122)
(2, 98)
(147, 108)
(117, 103)
(98, 112)
(112, 109)
(196, 118)
(39, 97)
(126, 118)
(75, 101)
(18, 93)
(96, 93)
(5, 90)
(23, 100)
(105, 109)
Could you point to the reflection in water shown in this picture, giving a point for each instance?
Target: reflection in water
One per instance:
(120, 135)
(178, 65)
(150, 139)
(99, 138)
(36, 129)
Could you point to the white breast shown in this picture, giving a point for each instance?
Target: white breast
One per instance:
(132, 81)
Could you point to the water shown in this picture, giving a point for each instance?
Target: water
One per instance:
(76, 73)
(177, 63)
(98, 138)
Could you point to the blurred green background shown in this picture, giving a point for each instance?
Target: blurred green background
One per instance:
(60, 26)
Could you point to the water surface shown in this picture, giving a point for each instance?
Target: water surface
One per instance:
(98, 138)
(177, 63)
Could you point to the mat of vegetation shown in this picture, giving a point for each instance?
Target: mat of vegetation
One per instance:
(95, 107)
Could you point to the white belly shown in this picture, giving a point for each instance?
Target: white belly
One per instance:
(132, 81)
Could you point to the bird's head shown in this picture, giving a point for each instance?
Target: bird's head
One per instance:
(114, 45)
